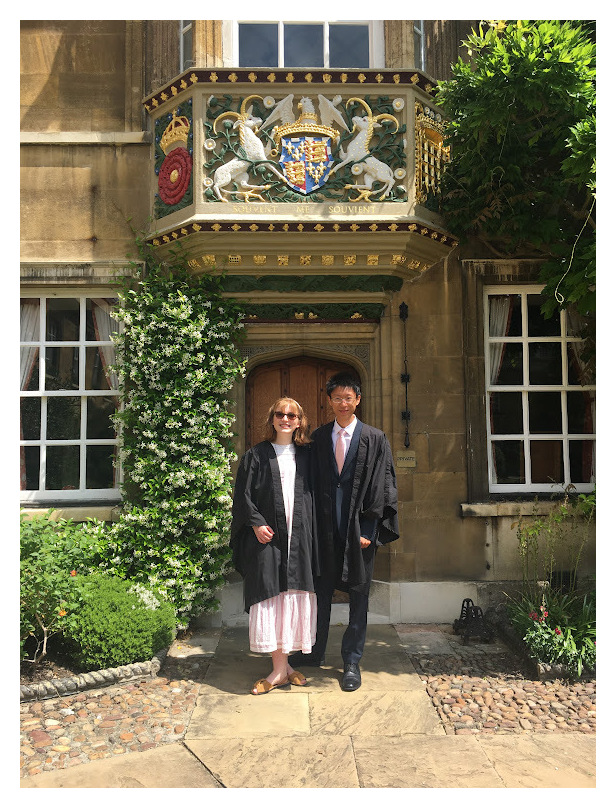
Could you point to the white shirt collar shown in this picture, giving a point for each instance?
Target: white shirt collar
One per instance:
(348, 429)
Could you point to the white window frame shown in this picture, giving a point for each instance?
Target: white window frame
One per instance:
(185, 27)
(376, 38)
(564, 436)
(41, 495)
(419, 32)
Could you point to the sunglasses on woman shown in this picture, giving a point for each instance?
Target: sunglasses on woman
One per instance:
(290, 415)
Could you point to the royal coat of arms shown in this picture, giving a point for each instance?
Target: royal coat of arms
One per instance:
(302, 151)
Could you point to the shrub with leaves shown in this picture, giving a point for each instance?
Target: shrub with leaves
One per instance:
(177, 359)
(118, 623)
(53, 552)
(522, 135)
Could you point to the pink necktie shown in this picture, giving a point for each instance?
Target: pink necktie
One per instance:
(340, 450)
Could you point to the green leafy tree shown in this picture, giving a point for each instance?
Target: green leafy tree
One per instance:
(522, 174)
(177, 359)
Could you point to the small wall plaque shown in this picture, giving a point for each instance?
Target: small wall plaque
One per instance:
(406, 460)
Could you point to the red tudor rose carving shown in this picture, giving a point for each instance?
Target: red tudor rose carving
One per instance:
(174, 175)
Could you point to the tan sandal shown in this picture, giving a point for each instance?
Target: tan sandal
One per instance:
(297, 678)
(263, 686)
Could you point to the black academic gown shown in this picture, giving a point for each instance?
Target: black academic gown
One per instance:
(362, 500)
(268, 569)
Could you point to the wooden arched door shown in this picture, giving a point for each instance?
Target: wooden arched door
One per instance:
(300, 377)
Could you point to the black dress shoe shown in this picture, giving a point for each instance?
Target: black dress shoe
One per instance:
(351, 679)
(306, 660)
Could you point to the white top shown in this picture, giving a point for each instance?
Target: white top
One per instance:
(285, 455)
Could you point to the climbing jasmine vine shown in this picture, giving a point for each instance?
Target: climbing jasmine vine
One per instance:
(177, 359)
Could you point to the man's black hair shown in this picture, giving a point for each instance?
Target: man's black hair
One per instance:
(342, 380)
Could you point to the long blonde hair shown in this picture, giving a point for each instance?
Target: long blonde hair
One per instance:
(300, 435)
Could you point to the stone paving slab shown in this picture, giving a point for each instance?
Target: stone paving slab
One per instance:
(275, 713)
(313, 762)
(378, 714)
(423, 762)
(542, 761)
(170, 766)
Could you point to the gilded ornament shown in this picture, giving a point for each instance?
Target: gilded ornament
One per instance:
(208, 259)
(233, 77)
(414, 78)
(285, 227)
(183, 84)
(174, 90)
(373, 227)
(424, 231)
(397, 259)
(305, 260)
(327, 78)
(356, 316)
(252, 77)
(312, 316)
(289, 78)
(164, 96)
(194, 264)
(393, 227)
(254, 227)
(283, 260)
(271, 77)
(299, 315)
(349, 260)
(300, 227)
(236, 227)
(327, 260)
(354, 227)
(379, 78)
(259, 259)
(361, 78)
(216, 227)
(336, 227)
(308, 77)
(318, 227)
(196, 227)
(372, 260)
(235, 259)
(396, 78)
(194, 78)
(343, 78)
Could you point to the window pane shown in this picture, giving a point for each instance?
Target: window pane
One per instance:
(62, 319)
(582, 461)
(545, 413)
(100, 324)
(506, 413)
(96, 377)
(581, 412)
(505, 316)
(506, 363)
(30, 320)
(258, 45)
(578, 371)
(100, 410)
(63, 418)
(303, 45)
(30, 460)
(508, 457)
(30, 419)
(61, 368)
(538, 326)
(100, 471)
(544, 363)
(29, 368)
(62, 468)
(187, 46)
(349, 46)
(546, 461)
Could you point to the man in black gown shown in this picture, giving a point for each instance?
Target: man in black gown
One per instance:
(357, 509)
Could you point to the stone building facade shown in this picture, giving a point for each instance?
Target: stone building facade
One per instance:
(315, 188)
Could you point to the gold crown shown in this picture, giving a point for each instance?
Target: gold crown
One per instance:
(175, 134)
(306, 124)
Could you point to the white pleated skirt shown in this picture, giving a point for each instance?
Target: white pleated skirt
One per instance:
(286, 622)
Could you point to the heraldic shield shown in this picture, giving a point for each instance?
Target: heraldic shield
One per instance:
(306, 161)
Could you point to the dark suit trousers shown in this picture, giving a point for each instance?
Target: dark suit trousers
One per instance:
(354, 637)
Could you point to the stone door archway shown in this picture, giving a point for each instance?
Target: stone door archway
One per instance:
(300, 377)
